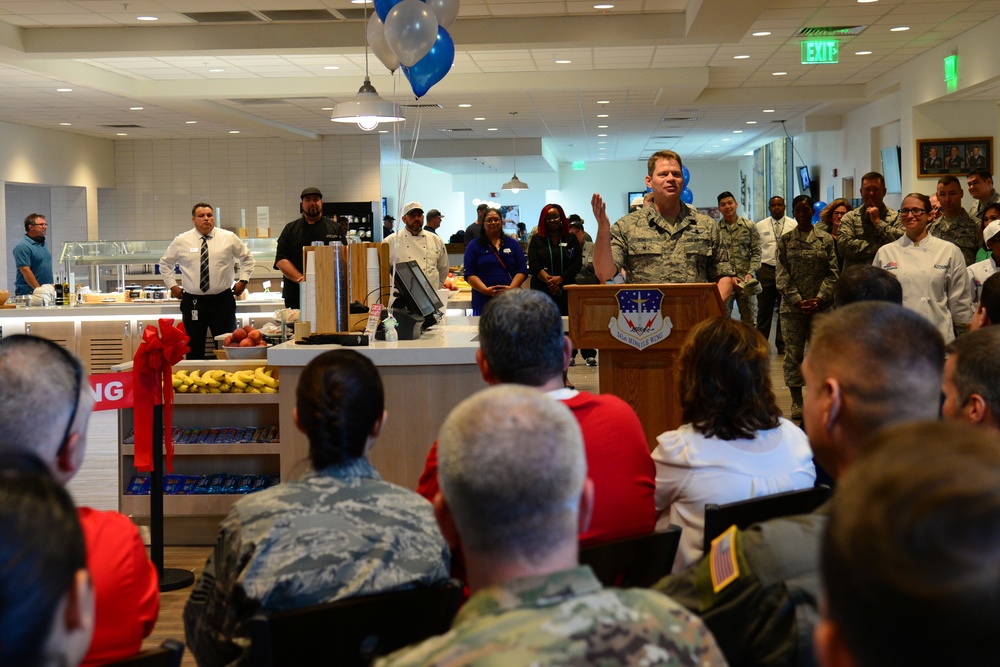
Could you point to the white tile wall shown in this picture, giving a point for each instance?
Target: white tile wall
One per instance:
(157, 182)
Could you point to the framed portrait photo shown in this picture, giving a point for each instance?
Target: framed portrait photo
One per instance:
(956, 156)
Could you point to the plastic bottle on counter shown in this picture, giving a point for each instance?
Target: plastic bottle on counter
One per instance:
(391, 335)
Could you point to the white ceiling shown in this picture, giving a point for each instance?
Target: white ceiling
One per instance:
(654, 62)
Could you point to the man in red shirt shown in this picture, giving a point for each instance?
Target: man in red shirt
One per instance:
(45, 405)
(521, 341)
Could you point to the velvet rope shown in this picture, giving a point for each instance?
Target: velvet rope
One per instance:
(152, 373)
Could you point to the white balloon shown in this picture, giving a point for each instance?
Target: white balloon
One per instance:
(411, 29)
(378, 45)
(445, 10)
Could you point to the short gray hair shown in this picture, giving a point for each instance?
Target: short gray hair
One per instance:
(37, 395)
(512, 468)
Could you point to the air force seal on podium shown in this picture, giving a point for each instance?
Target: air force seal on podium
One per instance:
(639, 322)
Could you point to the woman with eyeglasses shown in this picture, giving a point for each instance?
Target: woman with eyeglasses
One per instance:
(829, 222)
(931, 271)
(493, 262)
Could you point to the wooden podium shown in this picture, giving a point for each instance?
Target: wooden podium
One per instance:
(645, 379)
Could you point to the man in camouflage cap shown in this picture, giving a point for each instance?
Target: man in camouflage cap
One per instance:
(668, 242)
(514, 494)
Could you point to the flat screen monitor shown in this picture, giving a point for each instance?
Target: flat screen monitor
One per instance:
(416, 292)
(804, 180)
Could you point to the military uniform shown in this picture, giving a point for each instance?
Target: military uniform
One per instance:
(976, 210)
(858, 240)
(807, 268)
(758, 591)
(566, 618)
(742, 242)
(337, 533)
(653, 250)
(961, 230)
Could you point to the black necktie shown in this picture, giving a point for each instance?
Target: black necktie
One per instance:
(205, 283)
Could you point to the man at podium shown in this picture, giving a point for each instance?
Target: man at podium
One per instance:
(668, 242)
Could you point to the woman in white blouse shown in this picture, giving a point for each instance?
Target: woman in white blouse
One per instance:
(734, 444)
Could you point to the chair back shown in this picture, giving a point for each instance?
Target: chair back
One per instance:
(745, 513)
(169, 654)
(353, 631)
(637, 562)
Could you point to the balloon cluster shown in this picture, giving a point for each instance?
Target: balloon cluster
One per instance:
(818, 211)
(413, 34)
(686, 195)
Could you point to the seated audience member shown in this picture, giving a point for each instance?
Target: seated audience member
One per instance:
(521, 341)
(45, 406)
(532, 602)
(870, 365)
(970, 385)
(46, 598)
(339, 531)
(909, 559)
(864, 282)
(734, 444)
(987, 311)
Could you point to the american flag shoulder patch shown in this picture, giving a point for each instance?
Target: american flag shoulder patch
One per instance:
(722, 560)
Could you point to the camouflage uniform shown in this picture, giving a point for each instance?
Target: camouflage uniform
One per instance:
(806, 269)
(652, 250)
(336, 533)
(566, 618)
(766, 614)
(858, 241)
(976, 210)
(962, 230)
(742, 243)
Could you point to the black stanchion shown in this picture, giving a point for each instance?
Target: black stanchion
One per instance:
(171, 579)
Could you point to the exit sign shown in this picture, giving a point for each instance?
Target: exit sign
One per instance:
(820, 51)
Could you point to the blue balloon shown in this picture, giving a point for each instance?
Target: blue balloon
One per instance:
(382, 8)
(687, 196)
(434, 66)
(818, 210)
(687, 176)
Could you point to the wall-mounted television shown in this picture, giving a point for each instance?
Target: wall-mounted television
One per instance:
(805, 181)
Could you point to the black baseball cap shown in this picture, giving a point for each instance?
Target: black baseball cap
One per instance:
(311, 191)
(434, 213)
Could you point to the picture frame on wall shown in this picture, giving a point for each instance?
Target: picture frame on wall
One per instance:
(956, 156)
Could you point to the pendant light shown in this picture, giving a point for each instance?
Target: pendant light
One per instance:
(515, 184)
(367, 109)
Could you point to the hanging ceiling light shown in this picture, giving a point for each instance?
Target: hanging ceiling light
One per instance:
(515, 184)
(367, 109)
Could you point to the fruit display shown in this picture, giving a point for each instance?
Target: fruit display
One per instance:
(245, 337)
(261, 380)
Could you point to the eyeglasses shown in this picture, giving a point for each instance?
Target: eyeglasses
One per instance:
(912, 211)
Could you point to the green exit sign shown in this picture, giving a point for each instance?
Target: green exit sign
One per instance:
(820, 51)
(579, 165)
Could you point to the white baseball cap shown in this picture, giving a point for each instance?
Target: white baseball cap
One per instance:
(412, 206)
(636, 201)
(991, 230)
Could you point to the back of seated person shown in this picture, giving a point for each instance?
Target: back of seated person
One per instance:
(46, 598)
(338, 532)
(734, 444)
(864, 282)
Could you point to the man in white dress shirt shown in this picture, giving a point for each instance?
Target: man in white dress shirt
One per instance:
(413, 242)
(770, 228)
(206, 257)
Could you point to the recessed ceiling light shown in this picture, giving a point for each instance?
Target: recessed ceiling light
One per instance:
(741, 57)
(479, 118)
(135, 108)
(563, 62)
(601, 142)
(64, 90)
(602, 135)
(737, 131)
(727, 139)
(464, 106)
(748, 153)
(190, 122)
(902, 28)
(216, 70)
(603, 102)
(383, 131)
(751, 122)
(862, 53)
(146, 18)
(600, 158)
(66, 124)
(762, 33)
(491, 129)
(768, 110)
(778, 73)
(122, 134)
(234, 131)
(331, 67)
(602, 115)
(602, 127)
(866, 1)
(604, 6)
(715, 145)
(326, 109)
(361, 2)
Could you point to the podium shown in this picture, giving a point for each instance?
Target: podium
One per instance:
(645, 379)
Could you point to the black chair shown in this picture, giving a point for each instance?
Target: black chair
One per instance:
(745, 513)
(637, 562)
(353, 631)
(169, 654)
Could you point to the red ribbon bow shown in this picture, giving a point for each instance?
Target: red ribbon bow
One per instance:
(152, 376)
